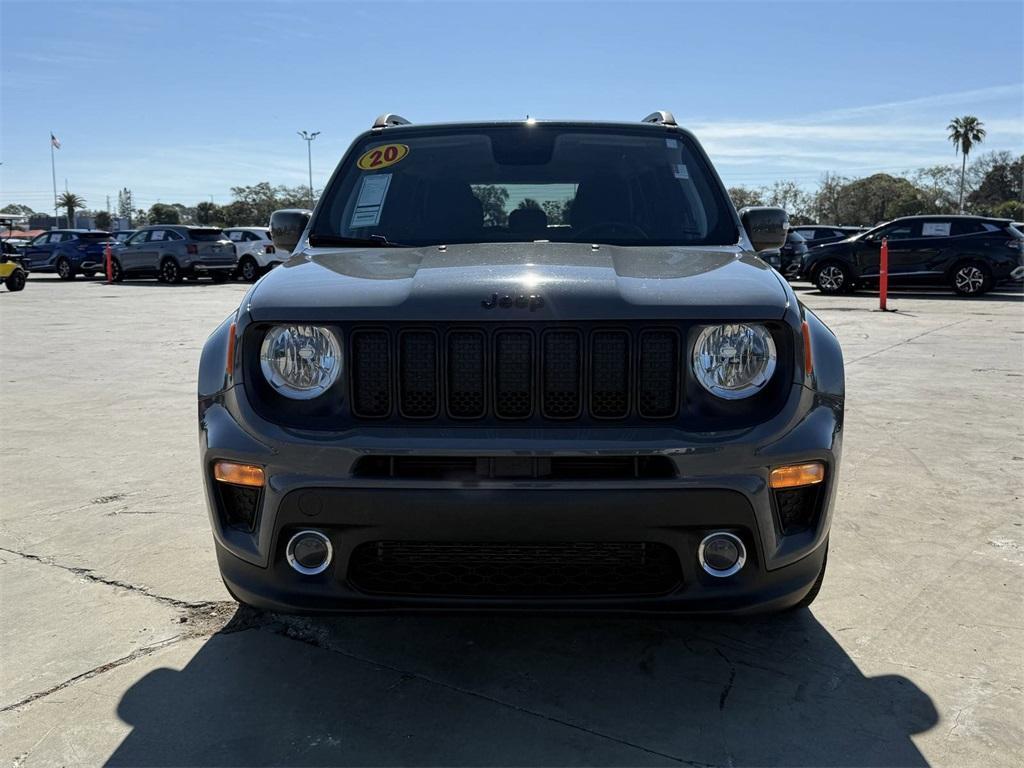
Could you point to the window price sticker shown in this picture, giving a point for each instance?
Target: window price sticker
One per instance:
(372, 193)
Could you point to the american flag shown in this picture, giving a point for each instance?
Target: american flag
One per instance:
(54, 141)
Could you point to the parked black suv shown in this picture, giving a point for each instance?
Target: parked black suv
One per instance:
(971, 254)
(789, 258)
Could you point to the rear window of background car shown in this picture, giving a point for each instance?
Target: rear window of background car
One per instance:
(206, 235)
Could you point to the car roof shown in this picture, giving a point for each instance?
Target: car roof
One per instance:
(247, 229)
(944, 216)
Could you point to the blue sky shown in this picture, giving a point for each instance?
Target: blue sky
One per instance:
(181, 101)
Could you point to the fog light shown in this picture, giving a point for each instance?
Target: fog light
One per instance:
(721, 554)
(238, 474)
(797, 475)
(309, 552)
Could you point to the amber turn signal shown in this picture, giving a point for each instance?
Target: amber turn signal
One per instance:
(238, 474)
(797, 475)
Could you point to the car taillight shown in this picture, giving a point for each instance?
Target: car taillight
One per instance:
(192, 248)
(269, 249)
(1017, 245)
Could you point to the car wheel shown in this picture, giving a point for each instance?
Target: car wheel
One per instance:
(832, 277)
(64, 269)
(249, 270)
(15, 281)
(116, 273)
(807, 599)
(971, 278)
(170, 272)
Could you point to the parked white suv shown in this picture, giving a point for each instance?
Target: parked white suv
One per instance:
(256, 252)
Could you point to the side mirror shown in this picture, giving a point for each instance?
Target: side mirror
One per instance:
(287, 226)
(766, 227)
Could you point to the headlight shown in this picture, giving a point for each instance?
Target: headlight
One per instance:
(300, 361)
(734, 361)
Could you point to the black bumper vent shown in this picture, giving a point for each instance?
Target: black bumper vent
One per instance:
(511, 569)
(470, 468)
(797, 508)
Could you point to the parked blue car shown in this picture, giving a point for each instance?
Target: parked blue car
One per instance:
(68, 252)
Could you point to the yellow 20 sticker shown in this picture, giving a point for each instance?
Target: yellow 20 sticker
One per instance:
(382, 156)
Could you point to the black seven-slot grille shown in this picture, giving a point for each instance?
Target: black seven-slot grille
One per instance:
(558, 373)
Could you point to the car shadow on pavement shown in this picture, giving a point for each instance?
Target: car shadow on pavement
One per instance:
(521, 690)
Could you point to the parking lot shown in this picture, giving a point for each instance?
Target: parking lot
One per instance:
(120, 645)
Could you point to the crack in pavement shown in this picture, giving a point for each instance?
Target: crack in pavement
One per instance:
(293, 628)
(89, 574)
(906, 341)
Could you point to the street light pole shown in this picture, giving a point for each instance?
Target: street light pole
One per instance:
(308, 138)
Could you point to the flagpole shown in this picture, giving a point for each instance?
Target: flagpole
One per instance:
(53, 171)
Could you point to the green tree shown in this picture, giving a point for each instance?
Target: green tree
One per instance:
(162, 213)
(17, 209)
(965, 132)
(743, 197)
(879, 198)
(557, 211)
(103, 220)
(493, 198)
(124, 205)
(70, 202)
(1000, 185)
(825, 203)
(789, 196)
(207, 213)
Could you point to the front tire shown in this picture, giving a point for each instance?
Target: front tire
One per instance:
(249, 270)
(972, 278)
(116, 272)
(833, 278)
(170, 272)
(64, 269)
(15, 281)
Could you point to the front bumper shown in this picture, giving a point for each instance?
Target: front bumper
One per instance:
(201, 269)
(719, 485)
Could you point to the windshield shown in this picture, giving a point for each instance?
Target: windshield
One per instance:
(524, 184)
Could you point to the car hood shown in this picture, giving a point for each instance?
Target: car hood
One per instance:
(565, 281)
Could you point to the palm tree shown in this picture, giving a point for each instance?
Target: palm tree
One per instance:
(965, 132)
(71, 202)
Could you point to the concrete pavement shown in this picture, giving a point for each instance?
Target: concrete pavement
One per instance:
(118, 643)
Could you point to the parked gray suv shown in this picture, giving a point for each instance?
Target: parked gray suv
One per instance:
(523, 365)
(170, 252)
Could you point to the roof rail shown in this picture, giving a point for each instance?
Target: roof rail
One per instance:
(662, 117)
(389, 118)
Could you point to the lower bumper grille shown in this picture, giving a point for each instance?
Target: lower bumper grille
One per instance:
(512, 569)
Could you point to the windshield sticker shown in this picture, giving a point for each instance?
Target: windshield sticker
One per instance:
(382, 156)
(680, 171)
(371, 200)
(671, 143)
(935, 229)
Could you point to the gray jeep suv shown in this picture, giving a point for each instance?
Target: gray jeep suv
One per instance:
(170, 252)
(522, 365)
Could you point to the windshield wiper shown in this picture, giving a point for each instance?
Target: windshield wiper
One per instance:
(373, 241)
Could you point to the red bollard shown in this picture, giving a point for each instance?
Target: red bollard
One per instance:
(883, 275)
(110, 265)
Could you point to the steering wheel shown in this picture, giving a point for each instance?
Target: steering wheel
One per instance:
(610, 229)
